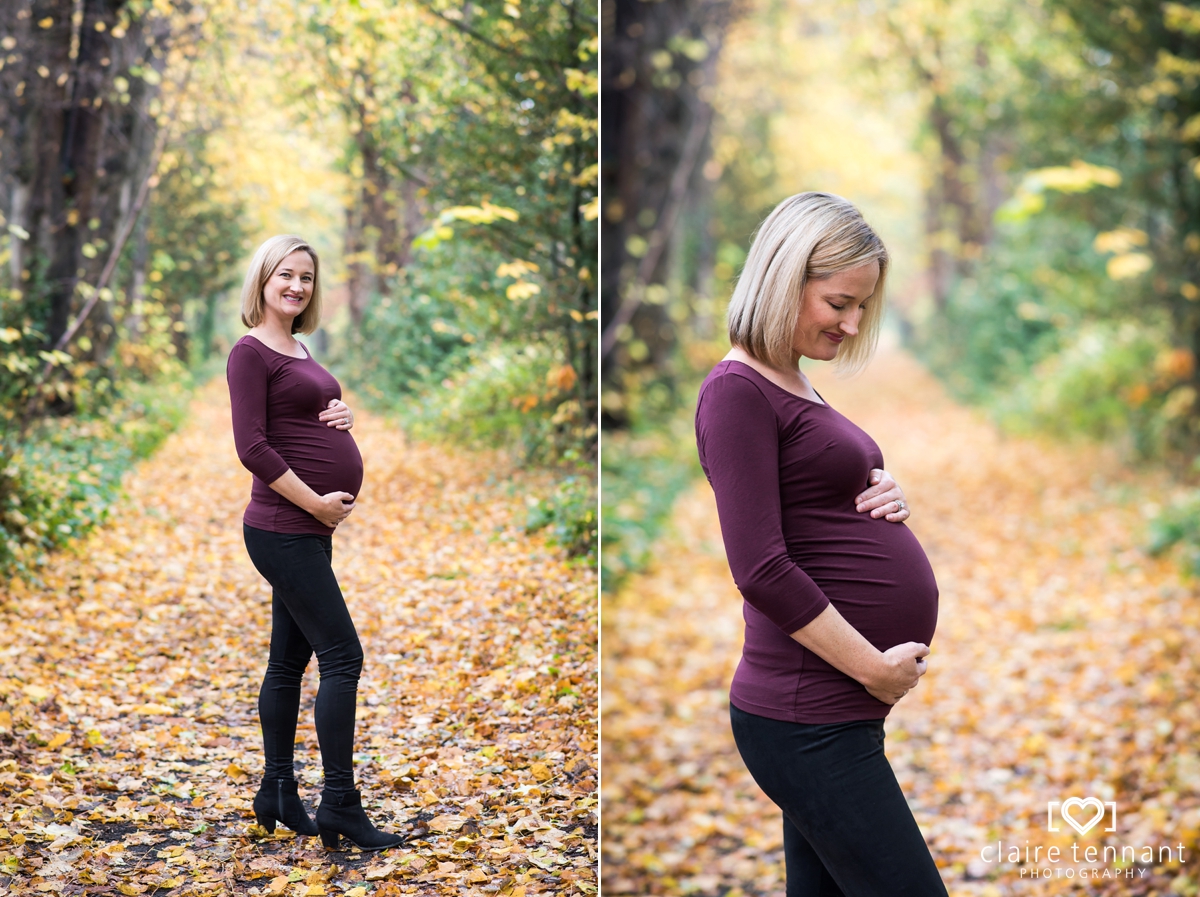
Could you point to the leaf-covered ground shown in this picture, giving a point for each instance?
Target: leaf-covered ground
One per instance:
(129, 741)
(1064, 665)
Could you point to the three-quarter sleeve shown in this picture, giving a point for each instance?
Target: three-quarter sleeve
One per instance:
(737, 435)
(247, 374)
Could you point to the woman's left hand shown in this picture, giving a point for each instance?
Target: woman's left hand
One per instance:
(883, 499)
(338, 414)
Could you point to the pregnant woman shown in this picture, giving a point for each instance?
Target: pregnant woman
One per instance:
(840, 601)
(291, 431)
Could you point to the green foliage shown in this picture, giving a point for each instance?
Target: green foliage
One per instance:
(569, 513)
(511, 397)
(644, 468)
(195, 238)
(60, 481)
(408, 343)
(1021, 304)
(1119, 383)
(1178, 525)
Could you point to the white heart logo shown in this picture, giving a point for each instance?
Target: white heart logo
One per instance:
(1081, 827)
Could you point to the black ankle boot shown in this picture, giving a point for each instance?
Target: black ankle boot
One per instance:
(279, 800)
(342, 814)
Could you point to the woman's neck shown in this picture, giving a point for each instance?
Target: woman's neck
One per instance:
(276, 335)
(793, 381)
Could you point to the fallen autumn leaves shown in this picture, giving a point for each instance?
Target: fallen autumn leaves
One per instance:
(129, 743)
(1061, 667)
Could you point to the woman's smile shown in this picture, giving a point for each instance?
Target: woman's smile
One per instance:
(831, 310)
(289, 288)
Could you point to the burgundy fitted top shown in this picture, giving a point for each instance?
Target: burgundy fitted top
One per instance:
(276, 400)
(785, 471)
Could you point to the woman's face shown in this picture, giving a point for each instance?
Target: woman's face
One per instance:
(831, 309)
(289, 288)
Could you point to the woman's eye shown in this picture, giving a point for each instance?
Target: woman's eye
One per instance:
(838, 307)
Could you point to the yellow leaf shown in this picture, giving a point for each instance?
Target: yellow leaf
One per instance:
(1129, 265)
(518, 268)
(236, 773)
(562, 377)
(1122, 239)
(378, 873)
(277, 885)
(446, 823)
(59, 740)
(522, 290)
(130, 890)
(5, 719)
(541, 772)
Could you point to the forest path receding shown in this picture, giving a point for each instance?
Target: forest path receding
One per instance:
(129, 673)
(1064, 665)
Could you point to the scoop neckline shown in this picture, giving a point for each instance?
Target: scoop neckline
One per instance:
(306, 357)
(786, 392)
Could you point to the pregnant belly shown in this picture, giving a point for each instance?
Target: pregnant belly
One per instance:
(877, 575)
(326, 460)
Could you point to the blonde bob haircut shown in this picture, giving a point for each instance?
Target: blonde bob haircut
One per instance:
(807, 236)
(262, 266)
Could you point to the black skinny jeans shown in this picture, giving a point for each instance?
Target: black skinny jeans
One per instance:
(308, 614)
(847, 829)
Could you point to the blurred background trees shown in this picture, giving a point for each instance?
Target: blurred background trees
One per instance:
(440, 156)
(1032, 164)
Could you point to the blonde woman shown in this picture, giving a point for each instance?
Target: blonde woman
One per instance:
(840, 600)
(291, 429)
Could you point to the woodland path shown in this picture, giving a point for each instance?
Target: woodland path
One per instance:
(129, 672)
(1064, 664)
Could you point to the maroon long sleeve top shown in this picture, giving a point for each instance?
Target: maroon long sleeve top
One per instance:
(276, 400)
(785, 471)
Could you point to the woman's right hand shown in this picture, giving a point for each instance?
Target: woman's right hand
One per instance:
(899, 670)
(333, 508)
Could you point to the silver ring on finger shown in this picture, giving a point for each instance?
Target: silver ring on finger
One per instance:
(900, 506)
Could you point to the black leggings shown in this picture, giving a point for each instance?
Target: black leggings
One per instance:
(308, 614)
(847, 829)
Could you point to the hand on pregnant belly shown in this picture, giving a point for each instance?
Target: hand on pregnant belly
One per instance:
(332, 508)
(900, 670)
(884, 498)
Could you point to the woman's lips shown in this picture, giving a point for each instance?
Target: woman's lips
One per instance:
(835, 337)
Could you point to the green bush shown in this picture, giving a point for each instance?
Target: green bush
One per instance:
(60, 481)
(1178, 525)
(1037, 284)
(1105, 384)
(519, 398)
(569, 514)
(643, 471)
(406, 344)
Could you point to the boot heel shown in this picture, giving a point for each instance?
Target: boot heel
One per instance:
(331, 840)
(267, 822)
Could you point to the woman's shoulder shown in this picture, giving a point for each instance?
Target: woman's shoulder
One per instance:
(248, 355)
(733, 386)
(732, 376)
(249, 341)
